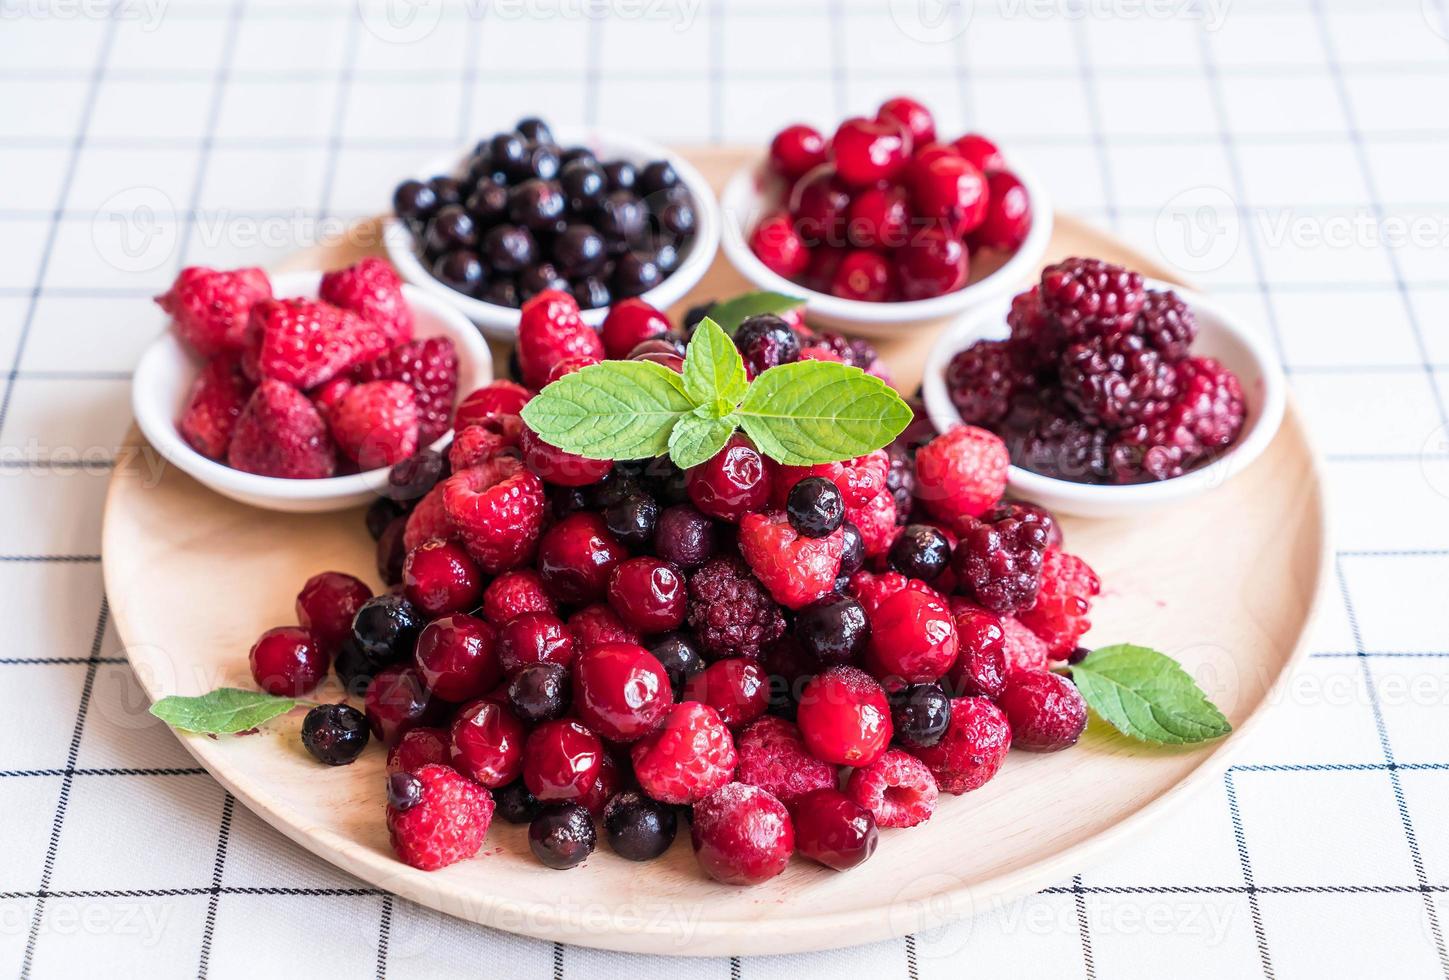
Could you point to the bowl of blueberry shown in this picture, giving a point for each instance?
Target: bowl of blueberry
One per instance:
(885, 224)
(601, 215)
(1112, 392)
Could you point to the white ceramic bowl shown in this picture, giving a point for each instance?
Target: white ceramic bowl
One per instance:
(501, 322)
(751, 195)
(1220, 334)
(162, 385)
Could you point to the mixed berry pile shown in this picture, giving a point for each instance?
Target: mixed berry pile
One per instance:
(307, 388)
(789, 657)
(882, 211)
(524, 215)
(1096, 383)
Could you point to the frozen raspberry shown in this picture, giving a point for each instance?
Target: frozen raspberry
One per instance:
(430, 368)
(501, 397)
(576, 556)
(1024, 650)
(420, 747)
(376, 424)
(912, 639)
(980, 667)
(498, 435)
(497, 510)
(875, 522)
(688, 757)
(981, 379)
(730, 611)
(487, 743)
(859, 480)
(550, 330)
(630, 323)
(973, 748)
(620, 690)
(735, 687)
(372, 290)
(796, 569)
(561, 760)
(1207, 417)
(428, 522)
(998, 561)
(833, 829)
(1117, 380)
(218, 396)
(1091, 297)
(439, 821)
(1060, 614)
(742, 835)
(279, 433)
(773, 756)
(557, 466)
(596, 624)
(326, 605)
(961, 473)
(1166, 324)
(1045, 711)
(210, 308)
(304, 342)
(897, 789)
(514, 593)
(844, 717)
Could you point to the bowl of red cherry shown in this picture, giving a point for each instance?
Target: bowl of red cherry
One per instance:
(600, 215)
(884, 224)
(1112, 392)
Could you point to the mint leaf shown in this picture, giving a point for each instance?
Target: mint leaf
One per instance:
(813, 412)
(613, 410)
(1147, 695)
(714, 372)
(225, 711)
(696, 438)
(732, 312)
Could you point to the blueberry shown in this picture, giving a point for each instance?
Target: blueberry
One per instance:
(509, 153)
(386, 628)
(413, 477)
(678, 219)
(451, 228)
(536, 278)
(854, 555)
(657, 177)
(354, 668)
(679, 656)
(633, 519)
(543, 162)
(591, 293)
(578, 250)
(536, 204)
(534, 129)
(447, 189)
(539, 693)
(833, 630)
(766, 341)
(666, 256)
(637, 827)
(391, 552)
(404, 791)
(414, 201)
(508, 248)
(620, 175)
(576, 153)
(921, 551)
(620, 217)
(488, 204)
(636, 273)
(815, 507)
(584, 184)
(684, 536)
(920, 714)
(562, 835)
(515, 803)
(460, 269)
(335, 734)
(502, 292)
(694, 314)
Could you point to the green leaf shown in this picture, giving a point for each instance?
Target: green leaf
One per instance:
(732, 312)
(1147, 695)
(696, 438)
(714, 372)
(225, 711)
(813, 412)
(613, 410)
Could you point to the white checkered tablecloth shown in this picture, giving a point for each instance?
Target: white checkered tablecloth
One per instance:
(1291, 156)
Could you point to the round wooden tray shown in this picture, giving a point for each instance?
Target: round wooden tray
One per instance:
(193, 579)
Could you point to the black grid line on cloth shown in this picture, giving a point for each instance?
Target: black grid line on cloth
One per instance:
(1084, 932)
(228, 807)
(384, 934)
(912, 967)
(1249, 888)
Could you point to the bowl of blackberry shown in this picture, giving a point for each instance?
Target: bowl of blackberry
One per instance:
(603, 216)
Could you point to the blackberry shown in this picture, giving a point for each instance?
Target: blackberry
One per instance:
(1062, 447)
(1030, 512)
(1207, 417)
(1116, 380)
(730, 611)
(1090, 297)
(1036, 333)
(856, 353)
(981, 379)
(1166, 324)
(998, 561)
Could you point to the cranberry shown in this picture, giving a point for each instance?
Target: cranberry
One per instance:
(556, 466)
(488, 743)
(951, 190)
(621, 691)
(864, 276)
(418, 747)
(684, 536)
(910, 115)
(398, 701)
(797, 149)
(610, 781)
(457, 657)
(539, 693)
(561, 760)
(981, 152)
(732, 483)
(868, 151)
(844, 717)
(439, 578)
(819, 204)
(779, 246)
(287, 661)
(878, 218)
(980, 668)
(501, 397)
(735, 687)
(1008, 214)
(575, 557)
(563, 369)
(932, 263)
(912, 638)
(629, 323)
(833, 829)
(1045, 710)
(326, 605)
(742, 835)
(648, 594)
(534, 638)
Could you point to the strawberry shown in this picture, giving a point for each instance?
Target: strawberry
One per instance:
(500, 397)
(217, 399)
(796, 569)
(304, 342)
(279, 433)
(1060, 614)
(329, 394)
(376, 424)
(373, 291)
(430, 367)
(496, 508)
(210, 308)
(550, 330)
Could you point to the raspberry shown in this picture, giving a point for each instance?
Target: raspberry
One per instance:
(1091, 297)
(1117, 380)
(501, 397)
(481, 441)
(1208, 416)
(912, 638)
(796, 569)
(973, 748)
(279, 433)
(428, 521)
(1024, 650)
(998, 560)
(514, 593)
(773, 756)
(430, 368)
(304, 342)
(980, 668)
(373, 291)
(549, 330)
(1045, 711)
(442, 820)
(961, 473)
(687, 758)
(859, 480)
(742, 835)
(897, 789)
(844, 717)
(1166, 324)
(376, 424)
(596, 624)
(730, 611)
(875, 521)
(210, 308)
(217, 397)
(1060, 614)
(497, 510)
(419, 747)
(981, 379)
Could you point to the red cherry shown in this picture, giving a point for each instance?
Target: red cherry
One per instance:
(878, 218)
(912, 639)
(648, 594)
(534, 638)
(868, 151)
(630, 322)
(778, 245)
(561, 760)
(439, 578)
(569, 365)
(621, 691)
(326, 605)
(457, 657)
(556, 466)
(732, 483)
(819, 203)
(824, 260)
(933, 263)
(796, 149)
(287, 661)
(488, 743)
(981, 152)
(909, 113)
(735, 687)
(844, 717)
(674, 362)
(949, 189)
(1008, 214)
(500, 397)
(980, 668)
(575, 557)
(865, 276)
(833, 829)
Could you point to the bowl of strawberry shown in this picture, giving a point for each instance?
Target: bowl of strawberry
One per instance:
(884, 223)
(301, 391)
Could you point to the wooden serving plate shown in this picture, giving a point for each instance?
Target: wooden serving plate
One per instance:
(194, 578)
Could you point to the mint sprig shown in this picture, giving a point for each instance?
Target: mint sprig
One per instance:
(1147, 695)
(799, 414)
(225, 711)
